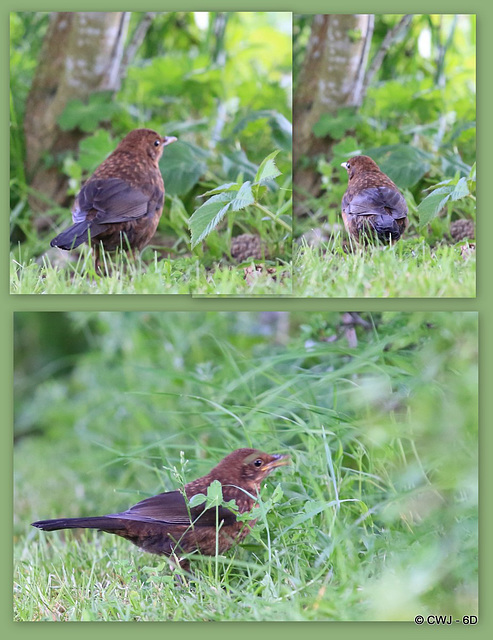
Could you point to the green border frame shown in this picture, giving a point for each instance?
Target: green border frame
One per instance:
(483, 304)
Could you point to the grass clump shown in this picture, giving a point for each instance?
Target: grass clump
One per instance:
(410, 268)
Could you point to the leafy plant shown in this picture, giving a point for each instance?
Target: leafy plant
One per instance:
(445, 193)
(233, 197)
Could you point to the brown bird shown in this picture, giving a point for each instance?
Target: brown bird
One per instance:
(121, 203)
(166, 525)
(372, 206)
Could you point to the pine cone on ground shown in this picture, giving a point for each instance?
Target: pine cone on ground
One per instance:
(462, 229)
(247, 246)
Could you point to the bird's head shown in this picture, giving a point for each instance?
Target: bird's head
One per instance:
(359, 164)
(146, 141)
(246, 468)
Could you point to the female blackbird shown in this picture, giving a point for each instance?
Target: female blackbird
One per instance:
(166, 525)
(372, 205)
(121, 203)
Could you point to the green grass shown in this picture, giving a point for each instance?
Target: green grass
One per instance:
(183, 275)
(376, 517)
(408, 269)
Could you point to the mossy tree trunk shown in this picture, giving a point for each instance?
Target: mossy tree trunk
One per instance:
(81, 54)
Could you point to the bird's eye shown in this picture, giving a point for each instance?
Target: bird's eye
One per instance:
(348, 165)
(157, 143)
(258, 462)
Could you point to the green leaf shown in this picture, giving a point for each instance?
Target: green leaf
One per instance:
(236, 162)
(227, 186)
(461, 190)
(183, 165)
(336, 125)
(404, 164)
(243, 198)
(209, 215)
(344, 149)
(87, 116)
(431, 206)
(94, 149)
(268, 169)
(197, 500)
(282, 130)
(214, 494)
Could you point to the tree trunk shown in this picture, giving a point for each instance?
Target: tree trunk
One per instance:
(81, 54)
(332, 77)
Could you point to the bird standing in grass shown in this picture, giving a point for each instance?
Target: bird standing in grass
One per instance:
(121, 203)
(372, 207)
(166, 525)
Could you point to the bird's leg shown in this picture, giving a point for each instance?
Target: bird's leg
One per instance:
(97, 259)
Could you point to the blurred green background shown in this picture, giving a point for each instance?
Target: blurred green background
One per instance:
(377, 518)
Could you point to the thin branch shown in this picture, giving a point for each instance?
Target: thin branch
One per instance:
(137, 39)
(389, 39)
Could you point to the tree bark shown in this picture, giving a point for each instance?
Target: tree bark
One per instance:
(81, 54)
(332, 77)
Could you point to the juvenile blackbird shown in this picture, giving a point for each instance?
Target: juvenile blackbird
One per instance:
(121, 203)
(372, 206)
(166, 525)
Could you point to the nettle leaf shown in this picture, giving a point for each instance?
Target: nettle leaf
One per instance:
(243, 198)
(267, 169)
(228, 186)
(185, 164)
(87, 116)
(431, 206)
(461, 190)
(209, 215)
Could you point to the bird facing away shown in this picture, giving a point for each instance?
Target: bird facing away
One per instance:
(372, 207)
(121, 203)
(166, 525)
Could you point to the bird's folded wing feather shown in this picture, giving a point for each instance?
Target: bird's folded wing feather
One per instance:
(171, 508)
(376, 200)
(115, 201)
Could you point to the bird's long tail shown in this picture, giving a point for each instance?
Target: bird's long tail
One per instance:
(99, 522)
(76, 235)
(386, 227)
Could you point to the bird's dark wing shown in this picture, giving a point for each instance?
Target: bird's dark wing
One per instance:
(171, 508)
(376, 200)
(115, 201)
